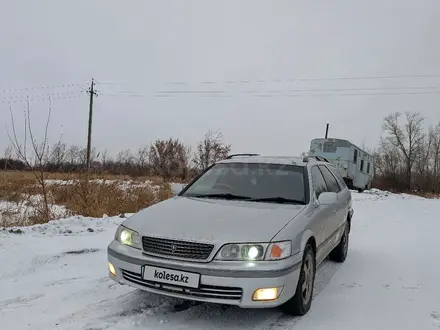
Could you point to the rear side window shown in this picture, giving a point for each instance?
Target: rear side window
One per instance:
(362, 165)
(318, 181)
(355, 157)
(338, 177)
(330, 147)
(329, 178)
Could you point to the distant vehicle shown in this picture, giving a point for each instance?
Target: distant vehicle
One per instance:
(355, 165)
(249, 231)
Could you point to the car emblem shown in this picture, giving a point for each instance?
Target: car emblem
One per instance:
(173, 248)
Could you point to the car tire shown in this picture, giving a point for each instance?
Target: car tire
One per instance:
(300, 303)
(339, 253)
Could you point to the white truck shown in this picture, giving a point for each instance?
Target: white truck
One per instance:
(355, 165)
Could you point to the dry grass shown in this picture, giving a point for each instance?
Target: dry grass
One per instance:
(28, 175)
(96, 199)
(427, 194)
(93, 198)
(12, 190)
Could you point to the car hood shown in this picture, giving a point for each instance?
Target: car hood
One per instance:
(213, 220)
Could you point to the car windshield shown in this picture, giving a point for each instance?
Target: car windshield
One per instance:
(276, 183)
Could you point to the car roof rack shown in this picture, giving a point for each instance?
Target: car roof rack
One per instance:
(240, 155)
(318, 158)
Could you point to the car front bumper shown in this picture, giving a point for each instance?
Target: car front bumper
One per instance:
(223, 282)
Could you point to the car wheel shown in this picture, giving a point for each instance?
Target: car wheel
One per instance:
(300, 303)
(339, 253)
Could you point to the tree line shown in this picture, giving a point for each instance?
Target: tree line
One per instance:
(407, 157)
(170, 158)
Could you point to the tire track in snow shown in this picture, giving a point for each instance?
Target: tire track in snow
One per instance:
(324, 274)
(160, 312)
(39, 262)
(19, 302)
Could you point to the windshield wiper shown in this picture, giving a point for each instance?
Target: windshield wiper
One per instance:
(280, 200)
(224, 196)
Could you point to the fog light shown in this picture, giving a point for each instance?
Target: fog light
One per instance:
(267, 294)
(111, 269)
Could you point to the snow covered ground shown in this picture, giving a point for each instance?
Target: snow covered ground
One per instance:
(13, 213)
(54, 276)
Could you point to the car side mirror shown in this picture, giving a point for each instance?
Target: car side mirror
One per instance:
(327, 198)
(176, 188)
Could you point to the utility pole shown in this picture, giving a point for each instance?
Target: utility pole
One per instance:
(92, 93)
(326, 131)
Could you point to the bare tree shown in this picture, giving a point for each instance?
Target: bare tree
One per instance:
(183, 159)
(408, 140)
(169, 157)
(210, 149)
(73, 155)
(40, 153)
(82, 155)
(7, 157)
(124, 156)
(58, 155)
(435, 158)
(104, 159)
(142, 158)
(388, 163)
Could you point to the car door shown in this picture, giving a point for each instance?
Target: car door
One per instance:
(345, 192)
(323, 215)
(339, 205)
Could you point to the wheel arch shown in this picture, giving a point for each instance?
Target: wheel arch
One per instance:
(308, 237)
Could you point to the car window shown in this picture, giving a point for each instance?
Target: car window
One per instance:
(338, 177)
(251, 180)
(319, 185)
(332, 184)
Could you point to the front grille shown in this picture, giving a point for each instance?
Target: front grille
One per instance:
(204, 291)
(174, 248)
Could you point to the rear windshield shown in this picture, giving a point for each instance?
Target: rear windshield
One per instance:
(253, 180)
(330, 146)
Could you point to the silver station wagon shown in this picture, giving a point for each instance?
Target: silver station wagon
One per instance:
(249, 231)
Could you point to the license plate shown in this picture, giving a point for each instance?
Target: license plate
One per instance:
(171, 276)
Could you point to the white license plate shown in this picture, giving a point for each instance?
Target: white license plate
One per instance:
(170, 276)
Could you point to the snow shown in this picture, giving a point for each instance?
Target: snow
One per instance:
(54, 276)
(12, 213)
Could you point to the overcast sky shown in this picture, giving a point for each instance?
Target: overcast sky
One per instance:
(270, 65)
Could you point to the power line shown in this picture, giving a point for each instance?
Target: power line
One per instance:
(246, 81)
(296, 90)
(352, 94)
(100, 82)
(272, 91)
(349, 89)
(40, 95)
(308, 95)
(305, 92)
(24, 100)
(41, 87)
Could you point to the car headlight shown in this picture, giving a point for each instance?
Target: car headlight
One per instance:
(255, 252)
(128, 237)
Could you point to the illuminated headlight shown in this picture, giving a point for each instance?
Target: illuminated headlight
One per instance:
(128, 237)
(255, 252)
